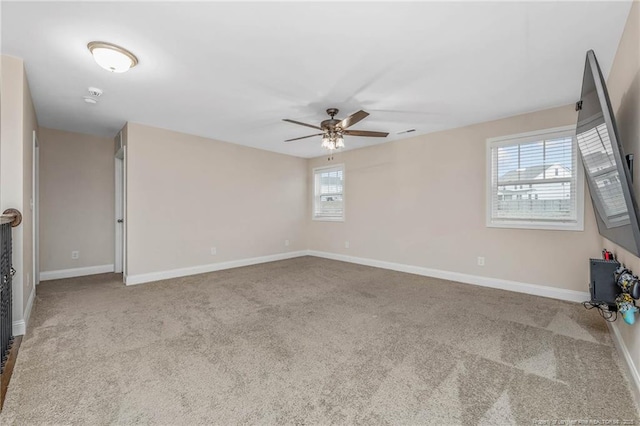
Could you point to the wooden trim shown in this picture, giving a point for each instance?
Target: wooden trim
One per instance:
(5, 377)
(14, 215)
(5, 218)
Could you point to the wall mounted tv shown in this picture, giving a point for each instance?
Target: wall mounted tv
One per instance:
(606, 169)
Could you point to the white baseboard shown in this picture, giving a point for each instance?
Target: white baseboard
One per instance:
(76, 272)
(19, 328)
(627, 360)
(534, 289)
(202, 269)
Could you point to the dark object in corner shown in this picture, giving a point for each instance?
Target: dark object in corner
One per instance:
(602, 284)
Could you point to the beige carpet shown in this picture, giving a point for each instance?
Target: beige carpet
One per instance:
(310, 341)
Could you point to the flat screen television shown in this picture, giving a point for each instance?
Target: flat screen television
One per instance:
(606, 168)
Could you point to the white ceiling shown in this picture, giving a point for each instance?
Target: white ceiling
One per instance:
(232, 71)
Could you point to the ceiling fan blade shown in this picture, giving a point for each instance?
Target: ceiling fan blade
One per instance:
(302, 124)
(352, 119)
(304, 137)
(366, 133)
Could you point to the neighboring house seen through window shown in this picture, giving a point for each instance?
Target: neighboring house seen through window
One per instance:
(328, 201)
(535, 181)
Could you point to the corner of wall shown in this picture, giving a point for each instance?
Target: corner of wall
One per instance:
(623, 84)
(627, 360)
(19, 327)
(14, 93)
(29, 126)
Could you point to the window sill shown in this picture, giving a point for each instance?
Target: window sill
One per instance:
(328, 219)
(576, 226)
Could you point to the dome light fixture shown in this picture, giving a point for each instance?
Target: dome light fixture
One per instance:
(111, 57)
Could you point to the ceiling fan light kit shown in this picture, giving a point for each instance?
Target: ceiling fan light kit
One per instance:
(334, 130)
(332, 140)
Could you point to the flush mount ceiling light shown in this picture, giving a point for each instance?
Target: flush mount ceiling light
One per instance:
(111, 57)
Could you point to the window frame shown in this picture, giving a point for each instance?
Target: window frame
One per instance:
(315, 171)
(539, 135)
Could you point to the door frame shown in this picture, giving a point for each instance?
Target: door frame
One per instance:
(119, 237)
(120, 261)
(35, 209)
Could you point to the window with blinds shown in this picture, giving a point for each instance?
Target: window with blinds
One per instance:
(328, 201)
(535, 181)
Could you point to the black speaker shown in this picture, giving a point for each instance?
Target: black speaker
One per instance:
(603, 285)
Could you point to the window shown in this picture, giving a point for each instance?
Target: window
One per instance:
(328, 201)
(535, 181)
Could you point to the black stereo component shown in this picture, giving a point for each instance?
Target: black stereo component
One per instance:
(603, 285)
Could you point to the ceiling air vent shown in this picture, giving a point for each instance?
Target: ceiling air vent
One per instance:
(402, 132)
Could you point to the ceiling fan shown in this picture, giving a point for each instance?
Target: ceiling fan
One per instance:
(333, 129)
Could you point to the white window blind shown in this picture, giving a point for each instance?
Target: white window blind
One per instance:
(328, 203)
(534, 181)
(601, 165)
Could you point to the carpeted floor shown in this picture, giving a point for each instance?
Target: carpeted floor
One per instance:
(306, 341)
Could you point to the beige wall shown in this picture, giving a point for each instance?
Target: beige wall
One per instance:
(421, 202)
(186, 194)
(18, 121)
(624, 90)
(77, 200)
(12, 164)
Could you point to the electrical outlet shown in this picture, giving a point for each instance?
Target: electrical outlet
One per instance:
(286, 243)
(480, 261)
(75, 255)
(214, 251)
(346, 244)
